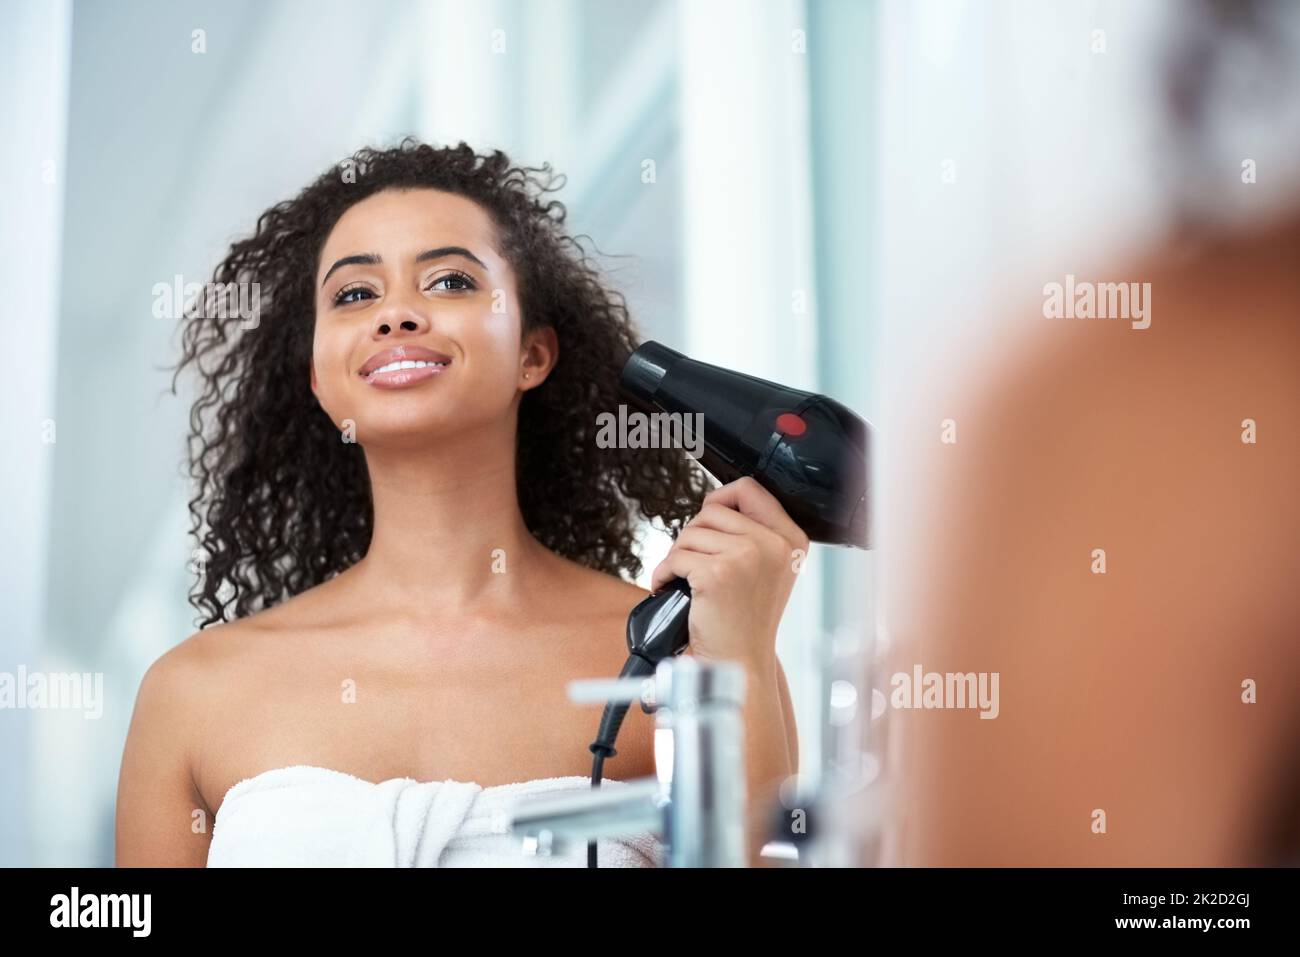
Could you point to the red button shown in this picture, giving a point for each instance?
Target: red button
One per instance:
(787, 423)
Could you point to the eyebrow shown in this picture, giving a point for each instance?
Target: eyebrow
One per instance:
(373, 259)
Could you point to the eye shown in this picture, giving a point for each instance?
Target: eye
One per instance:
(341, 298)
(455, 276)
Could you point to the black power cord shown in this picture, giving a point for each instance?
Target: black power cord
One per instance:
(597, 763)
(656, 628)
(610, 722)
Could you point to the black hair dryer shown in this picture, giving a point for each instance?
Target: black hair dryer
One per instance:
(808, 450)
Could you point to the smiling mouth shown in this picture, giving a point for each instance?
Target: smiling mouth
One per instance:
(407, 372)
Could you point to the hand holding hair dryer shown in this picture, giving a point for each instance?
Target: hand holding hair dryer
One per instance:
(808, 450)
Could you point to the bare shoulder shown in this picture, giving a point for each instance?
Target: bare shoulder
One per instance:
(182, 683)
(606, 600)
(598, 603)
(607, 588)
(164, 717)
(157, 779)
(190, 673)
(183, 686)
(190, 682)
(597, 598)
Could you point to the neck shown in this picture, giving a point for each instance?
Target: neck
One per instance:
(448, 531)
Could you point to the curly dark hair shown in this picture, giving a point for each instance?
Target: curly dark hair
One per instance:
(282, 504)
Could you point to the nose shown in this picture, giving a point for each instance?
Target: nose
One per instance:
(398, 318)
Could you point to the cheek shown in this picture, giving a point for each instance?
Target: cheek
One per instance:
(491, 342)
(329, 363)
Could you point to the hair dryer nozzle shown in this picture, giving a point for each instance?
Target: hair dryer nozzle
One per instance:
(645, 369)
(808, 450)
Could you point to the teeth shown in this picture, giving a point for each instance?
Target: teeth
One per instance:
(407, 364)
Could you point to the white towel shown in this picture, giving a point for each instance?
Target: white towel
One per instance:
(307, 816)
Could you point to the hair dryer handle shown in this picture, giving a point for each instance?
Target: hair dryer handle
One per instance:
(658, 626)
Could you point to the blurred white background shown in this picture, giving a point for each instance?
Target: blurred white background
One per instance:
(133, 159)
(1018, 140)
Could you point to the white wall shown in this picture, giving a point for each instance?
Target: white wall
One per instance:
(33, 92)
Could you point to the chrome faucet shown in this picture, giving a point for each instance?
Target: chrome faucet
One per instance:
(697, 805)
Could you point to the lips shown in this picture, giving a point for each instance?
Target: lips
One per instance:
(402, 358)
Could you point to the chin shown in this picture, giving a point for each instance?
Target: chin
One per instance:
(403, 426)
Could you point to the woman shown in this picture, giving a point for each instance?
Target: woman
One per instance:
(411, 542)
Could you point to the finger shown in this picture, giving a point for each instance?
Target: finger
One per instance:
(679, 563)
(706, 541)
(736, 527)
(702, 541)
(717, 516)
(751, 499)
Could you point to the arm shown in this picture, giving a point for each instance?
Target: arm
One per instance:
(787, 710)
(739, 554)
(767, 748)
(162, 820)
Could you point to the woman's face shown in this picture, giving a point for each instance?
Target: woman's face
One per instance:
(412, 277)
